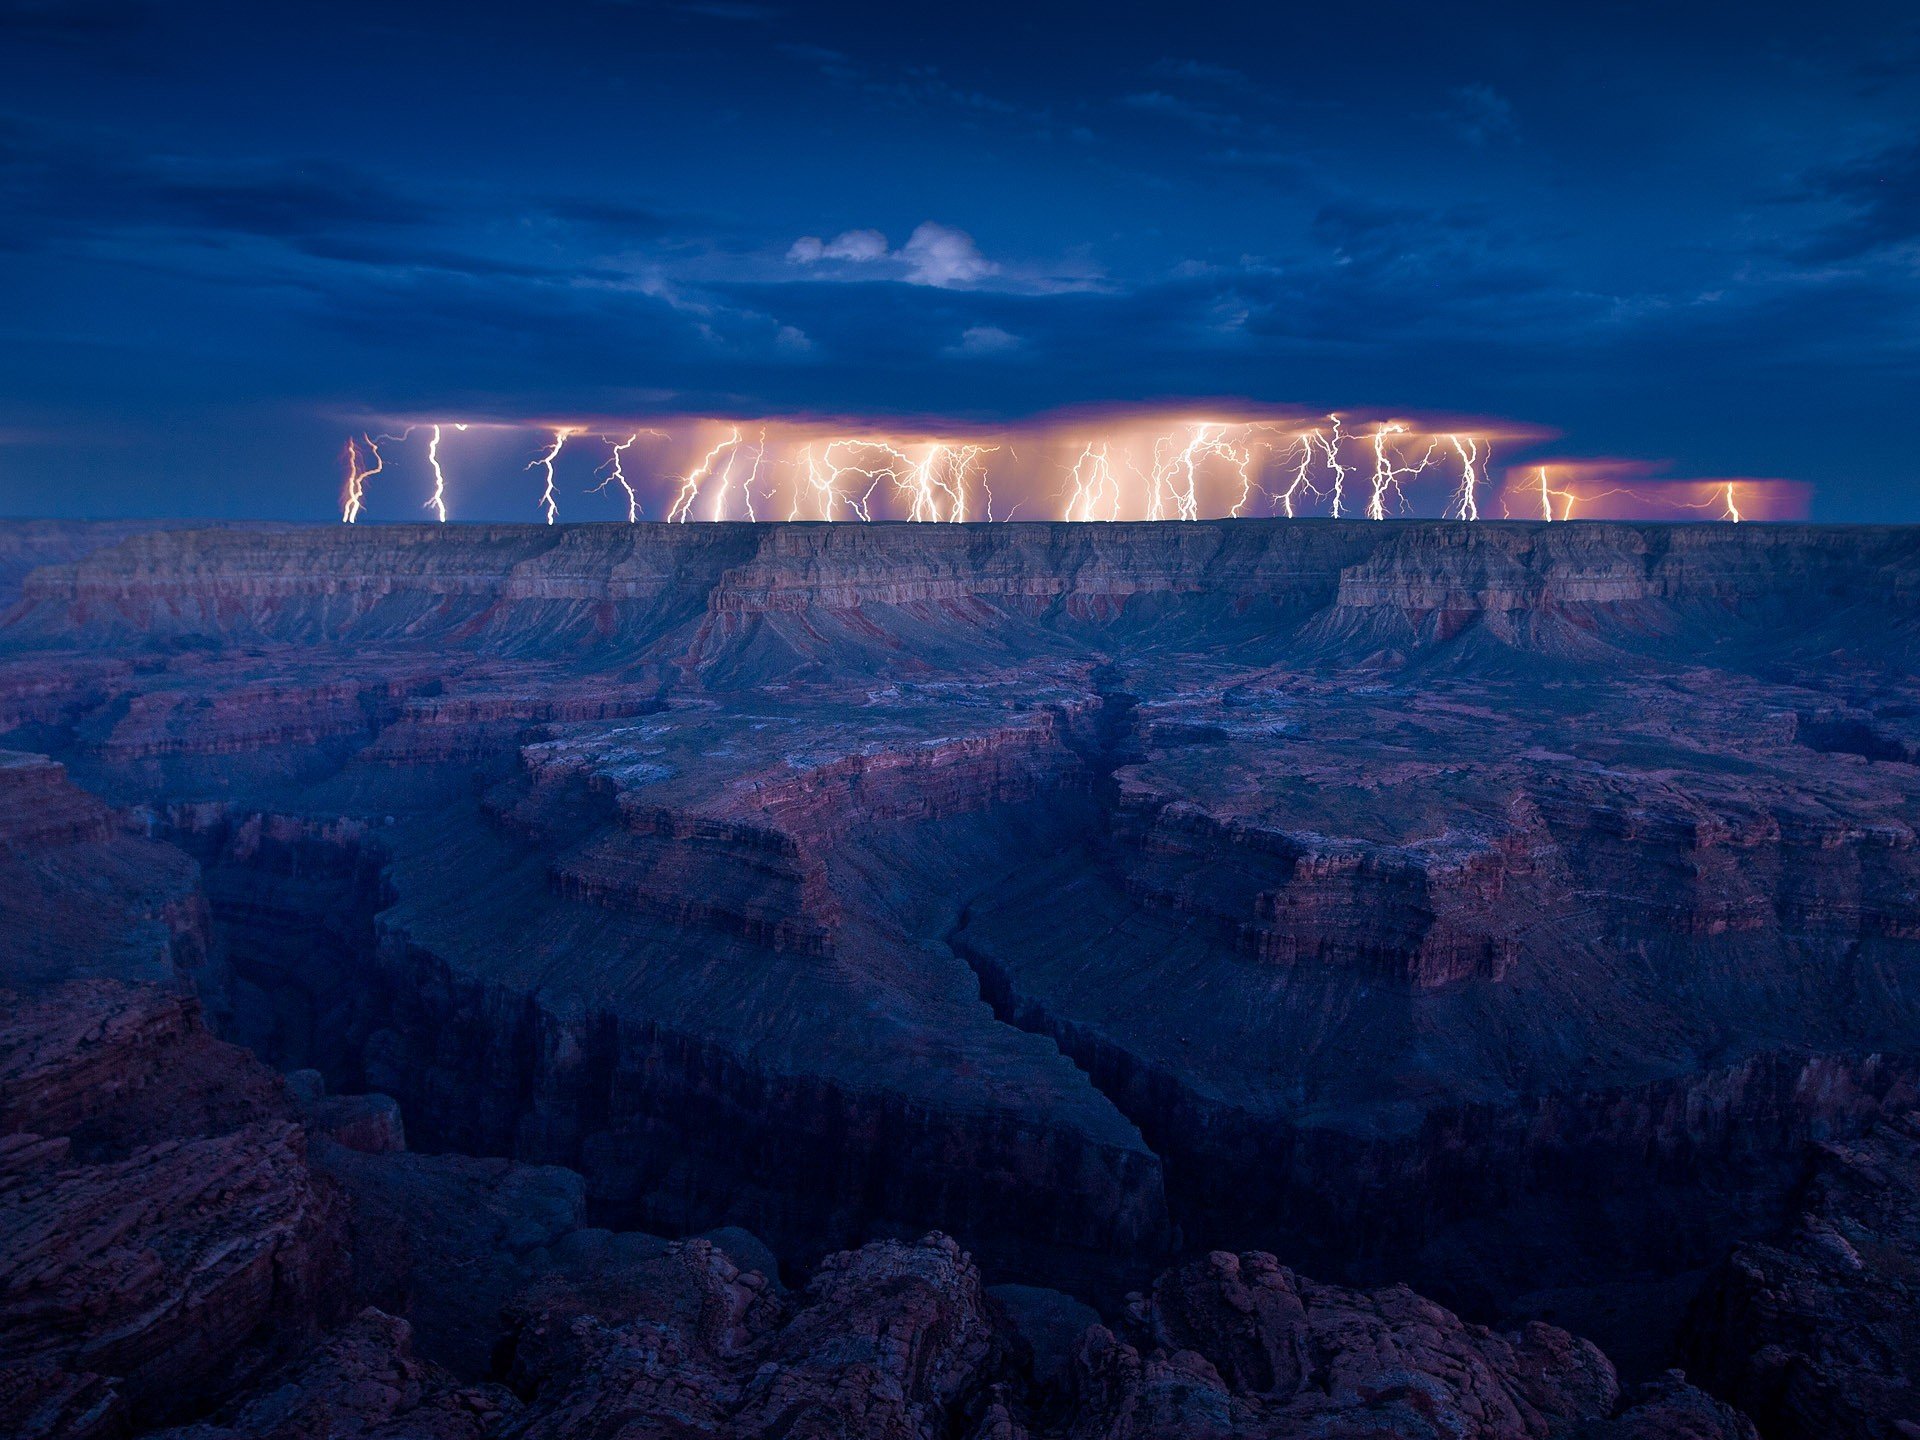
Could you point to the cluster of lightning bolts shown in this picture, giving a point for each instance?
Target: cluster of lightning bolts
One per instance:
(1267, 467)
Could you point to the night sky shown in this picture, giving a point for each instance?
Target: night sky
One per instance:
(230, 233)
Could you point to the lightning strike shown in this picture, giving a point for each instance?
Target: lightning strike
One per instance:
(616, 475)
(1331, 445)
(1387, 475)
(437, 501)
(1466, 501)
(548, 501)
(1096, 490)
(356, 491)
(682, 508)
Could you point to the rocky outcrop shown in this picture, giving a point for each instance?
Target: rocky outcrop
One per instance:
(510, 585)
(158, 1269)
(112, 1066)
(82, 894)
(363, 1380)
(38, 808)
(1240, 1345)
(1668, 1408)
(1818, 1334)
(164, 1234)
(184, 1252)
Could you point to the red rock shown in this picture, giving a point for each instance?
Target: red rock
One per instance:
(158, 1269)
(116, 1066)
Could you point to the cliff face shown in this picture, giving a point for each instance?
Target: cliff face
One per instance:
(1499, 907)
(197, 1250)
(1815, 1328)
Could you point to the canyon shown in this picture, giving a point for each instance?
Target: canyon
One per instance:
(1042, 946)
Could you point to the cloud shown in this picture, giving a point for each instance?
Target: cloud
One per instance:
(938, 254)
(986, 340)
(934, 254)
(857, 246)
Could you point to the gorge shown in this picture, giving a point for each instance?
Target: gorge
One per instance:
(1525, 914)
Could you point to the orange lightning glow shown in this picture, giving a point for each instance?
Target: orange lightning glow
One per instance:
(1098, 465)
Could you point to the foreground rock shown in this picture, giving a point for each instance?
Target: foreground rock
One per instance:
(1818, 1335)
(163, 1236)
(362, 1380)
(180, 1251)
(1240, 1345)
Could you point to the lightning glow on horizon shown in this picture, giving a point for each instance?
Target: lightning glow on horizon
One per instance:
(1116, 466)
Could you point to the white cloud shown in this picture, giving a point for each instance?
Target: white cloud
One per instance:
(938, 254)
(934, 254)
(858, 246)
(986, 340)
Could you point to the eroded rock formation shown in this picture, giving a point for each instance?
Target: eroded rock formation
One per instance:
(1498, 909)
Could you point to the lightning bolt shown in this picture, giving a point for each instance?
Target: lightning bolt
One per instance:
(822, 479)
(437, 501)
(616, 474)
(1387, 476)
(682, 507)
(1466, 501)
(1330, 444)
(1567, 498)
(547, 500)
(1096, 490)
(354, 501)
(746, 485)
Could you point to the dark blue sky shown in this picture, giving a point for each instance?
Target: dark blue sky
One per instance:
(1680, 232)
